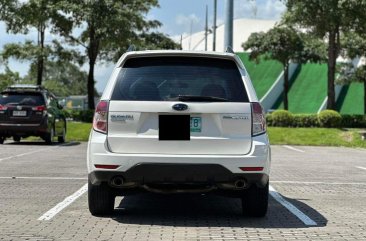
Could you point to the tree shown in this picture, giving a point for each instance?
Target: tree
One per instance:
(354, 46)
(283, 44)
(6, 7)
(28, 51)
(108, 28)
(61, 77)
(8, 78)
(157, 40)
(328, 19)
(21, 17)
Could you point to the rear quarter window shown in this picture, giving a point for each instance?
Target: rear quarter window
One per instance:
(163, 78)
(26, 99)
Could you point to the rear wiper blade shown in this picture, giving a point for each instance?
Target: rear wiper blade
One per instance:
(198, 98)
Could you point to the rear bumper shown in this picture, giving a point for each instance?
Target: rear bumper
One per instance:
(158, 168)
(23, 129)
(159, 173)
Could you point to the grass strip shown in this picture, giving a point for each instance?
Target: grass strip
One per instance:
(78, 131)
(315, 137)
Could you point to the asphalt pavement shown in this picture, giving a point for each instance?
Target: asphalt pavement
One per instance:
(317, 193)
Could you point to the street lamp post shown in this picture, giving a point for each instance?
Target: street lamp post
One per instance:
(206, 28)
(214, 27)
(229, 18)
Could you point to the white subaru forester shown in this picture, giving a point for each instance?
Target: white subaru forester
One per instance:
(179, 122)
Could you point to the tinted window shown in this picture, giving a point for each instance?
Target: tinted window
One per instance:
(30, 99)
(163, 78)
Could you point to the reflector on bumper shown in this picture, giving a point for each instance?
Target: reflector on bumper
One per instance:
(106, 166)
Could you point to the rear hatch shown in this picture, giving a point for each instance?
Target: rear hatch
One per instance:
(21, 107)
(179, 105)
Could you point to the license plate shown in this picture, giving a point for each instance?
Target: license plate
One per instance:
(196, 124)
(19, 113)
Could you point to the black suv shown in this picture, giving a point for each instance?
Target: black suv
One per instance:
(29, 110)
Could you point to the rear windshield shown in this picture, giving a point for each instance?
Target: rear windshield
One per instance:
(29, 99)
(164, 78)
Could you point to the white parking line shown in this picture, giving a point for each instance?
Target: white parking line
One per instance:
(293, 148)
(362, 168)
(35, 151)
(24, 154)
(60, 206)
(300, 215)
(47, 178)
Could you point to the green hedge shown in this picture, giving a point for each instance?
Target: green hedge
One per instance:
(282, 118)
(80, 115)
(304, 120)
(326, 118)
(354, 121)
(329, 118)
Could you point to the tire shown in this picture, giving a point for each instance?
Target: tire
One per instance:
(100, 199)
(2, 139)
(16, 138)
(62, 139)
(49, 136)
(255, 201)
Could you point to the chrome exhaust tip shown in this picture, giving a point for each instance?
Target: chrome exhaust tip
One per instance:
(117, 181)
(240, 184)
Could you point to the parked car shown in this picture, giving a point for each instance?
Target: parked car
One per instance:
(29, 110)
(179, 122)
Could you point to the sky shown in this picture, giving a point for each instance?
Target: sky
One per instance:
(177, 18)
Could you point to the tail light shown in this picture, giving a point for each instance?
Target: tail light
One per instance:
(258, 119)
(3, 107)
(39, 108)
(100, 121)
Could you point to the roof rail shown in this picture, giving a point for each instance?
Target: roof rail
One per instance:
(131, 48)
(25, 87)
(229, 50)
